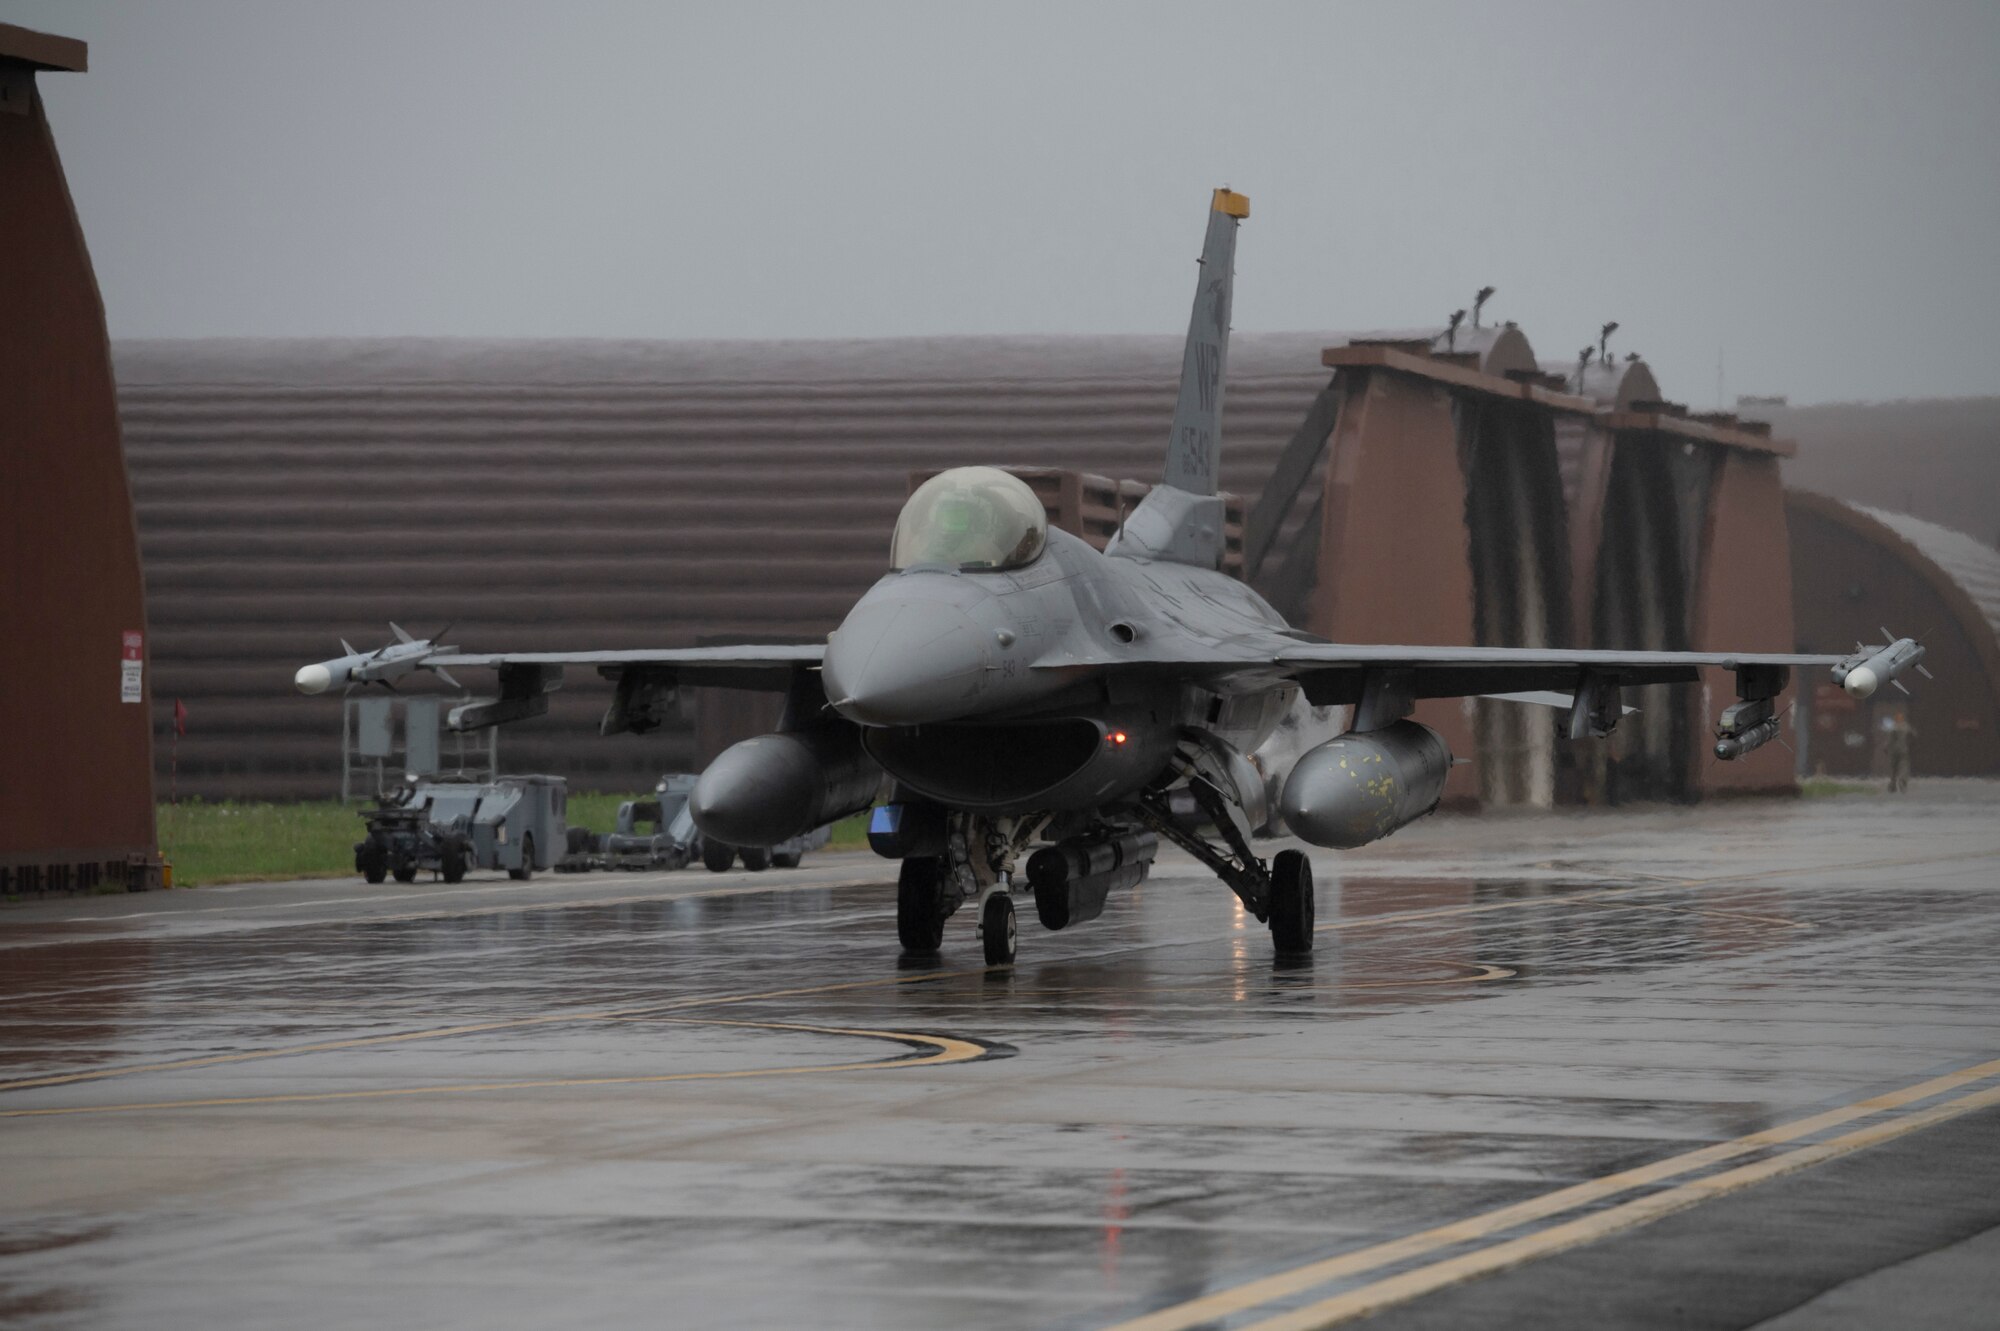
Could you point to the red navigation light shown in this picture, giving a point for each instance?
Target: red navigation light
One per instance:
(1116, 737)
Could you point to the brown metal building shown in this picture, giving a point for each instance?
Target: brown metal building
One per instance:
(1856, 570)
(1427, 487)
(1455, 495)
(76, 802)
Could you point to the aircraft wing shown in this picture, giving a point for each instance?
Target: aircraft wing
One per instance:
(740, 667)
(648, 679)
(1335, 672)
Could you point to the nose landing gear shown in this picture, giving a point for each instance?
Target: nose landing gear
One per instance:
(999, 936)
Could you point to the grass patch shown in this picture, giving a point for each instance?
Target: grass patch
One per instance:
(228, 842)
(1820, 787)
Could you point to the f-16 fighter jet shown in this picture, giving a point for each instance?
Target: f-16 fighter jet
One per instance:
(1049, 712)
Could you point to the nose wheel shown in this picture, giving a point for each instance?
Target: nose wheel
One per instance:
(998, 934)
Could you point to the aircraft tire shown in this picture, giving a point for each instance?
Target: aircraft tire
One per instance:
(788, 860)
(756, 858)
(920, 904)
(527, 867)
(717, 856)
(999, 935)
(1291, 904)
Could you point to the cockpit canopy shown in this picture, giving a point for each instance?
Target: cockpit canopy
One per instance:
(975, 519)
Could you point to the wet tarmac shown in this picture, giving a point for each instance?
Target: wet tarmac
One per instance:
(723, 1101)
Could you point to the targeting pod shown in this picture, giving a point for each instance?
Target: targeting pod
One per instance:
(1361, 787)
(1745, 726)
(1730, 747)
(1072, 879)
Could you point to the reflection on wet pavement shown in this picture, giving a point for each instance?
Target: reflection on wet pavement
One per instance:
(606, 1097)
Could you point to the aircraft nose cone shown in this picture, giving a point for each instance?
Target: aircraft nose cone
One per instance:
(313, 679)
(903, 663)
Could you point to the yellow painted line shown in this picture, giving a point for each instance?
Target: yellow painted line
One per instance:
(1557, 898)
(947, 1050)
(1285, 1284)
(1373, 1298)
(477, 1028)
(470, 1028)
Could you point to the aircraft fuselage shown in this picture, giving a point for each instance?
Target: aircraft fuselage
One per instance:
(1031, 689)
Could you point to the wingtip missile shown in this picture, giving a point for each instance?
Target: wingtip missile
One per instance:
(384, 665)
(1871, 667)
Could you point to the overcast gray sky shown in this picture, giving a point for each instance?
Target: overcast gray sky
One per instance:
(1810, 191)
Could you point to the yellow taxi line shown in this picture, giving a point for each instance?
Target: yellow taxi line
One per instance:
(947, 1049)
(469, 1028)
(1381, 1294)
(1298, 1280)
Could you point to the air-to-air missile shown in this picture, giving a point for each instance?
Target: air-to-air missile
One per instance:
(1870, 667)
(384, 665)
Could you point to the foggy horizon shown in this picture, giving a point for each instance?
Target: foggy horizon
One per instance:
(1792, 199)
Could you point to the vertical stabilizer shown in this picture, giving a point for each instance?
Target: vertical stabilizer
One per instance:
(1181, 520)
(1197, 431)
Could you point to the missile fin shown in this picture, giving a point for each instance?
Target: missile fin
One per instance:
(397, 629)
(348, 647)
(1924, 671)
(1899, 687)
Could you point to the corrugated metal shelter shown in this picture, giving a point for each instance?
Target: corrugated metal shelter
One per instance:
(78, 799)
(1439, 487)
(1932, 458)
(1857, 568)
(584, 494)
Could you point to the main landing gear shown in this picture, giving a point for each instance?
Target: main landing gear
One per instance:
(1279, 894)
(923, 903)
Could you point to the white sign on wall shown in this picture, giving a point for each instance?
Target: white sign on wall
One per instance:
(131, 666)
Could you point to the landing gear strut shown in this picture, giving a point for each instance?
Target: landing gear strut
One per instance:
(1280, 894)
